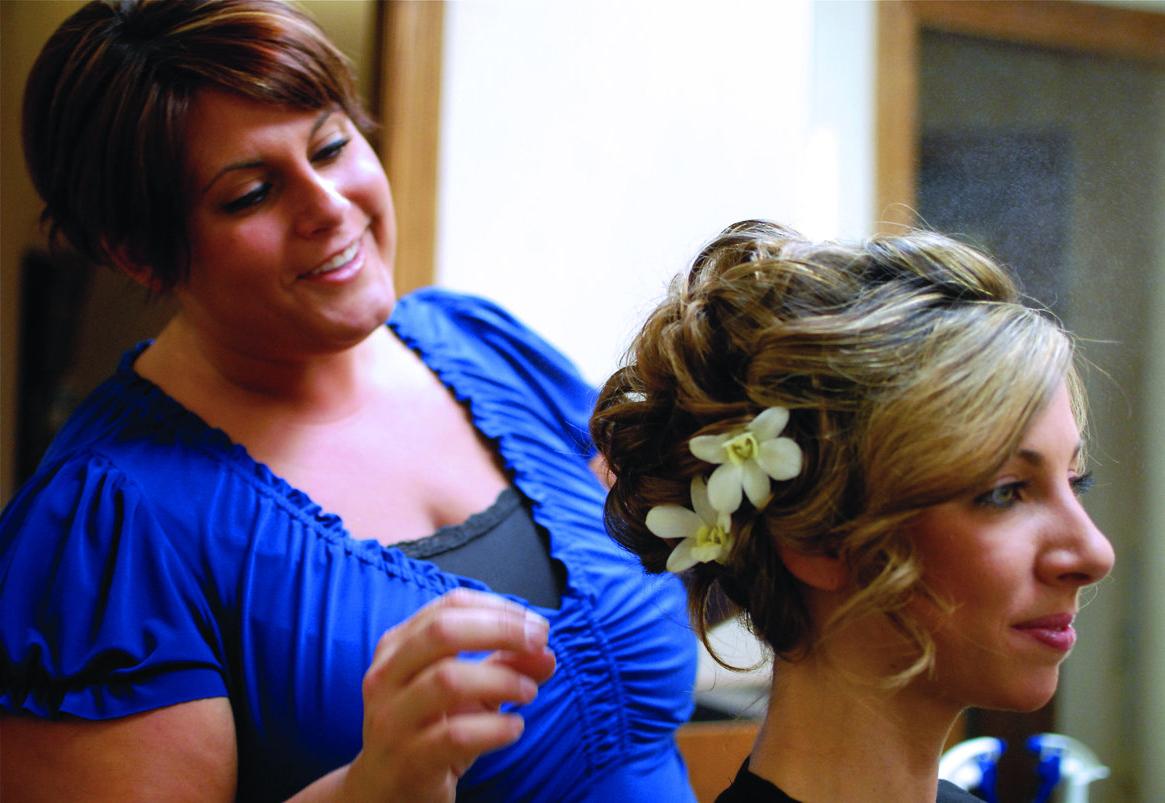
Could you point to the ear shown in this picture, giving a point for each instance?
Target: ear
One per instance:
(823, 572)
(137, 270)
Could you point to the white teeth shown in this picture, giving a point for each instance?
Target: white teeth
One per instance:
(338, 260)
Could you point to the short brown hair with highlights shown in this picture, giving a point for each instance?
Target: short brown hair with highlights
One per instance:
(911, 368)
(106, 104)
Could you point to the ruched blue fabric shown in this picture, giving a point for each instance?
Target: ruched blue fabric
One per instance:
(150, 561)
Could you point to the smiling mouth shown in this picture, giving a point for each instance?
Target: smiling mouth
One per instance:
(339, 260)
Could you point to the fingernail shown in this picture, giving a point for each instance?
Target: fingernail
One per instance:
(537, 629)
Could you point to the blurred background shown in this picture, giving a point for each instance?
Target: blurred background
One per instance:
(566, 159)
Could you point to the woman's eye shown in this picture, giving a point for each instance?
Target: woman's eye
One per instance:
(1001, 496)
(1083, 483)
(252, 198)
(331, 150)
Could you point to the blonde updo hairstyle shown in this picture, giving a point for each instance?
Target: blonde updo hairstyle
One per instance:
(910, 368)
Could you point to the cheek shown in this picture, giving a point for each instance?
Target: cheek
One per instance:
(237, 245)
(369, 184)
(978, 591)
(243, 256)
(962, 570)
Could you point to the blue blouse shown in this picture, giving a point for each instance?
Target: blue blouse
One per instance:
(150, 561)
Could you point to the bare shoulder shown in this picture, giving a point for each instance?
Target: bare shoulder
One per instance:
(181, 752)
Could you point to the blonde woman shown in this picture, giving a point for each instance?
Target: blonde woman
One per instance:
(874, 453)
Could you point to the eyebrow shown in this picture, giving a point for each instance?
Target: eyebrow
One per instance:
(250, 165)
(1036, 459)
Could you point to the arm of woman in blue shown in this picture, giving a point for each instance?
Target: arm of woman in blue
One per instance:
(91, 632)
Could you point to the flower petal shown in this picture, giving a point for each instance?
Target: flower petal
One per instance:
(707, 552)
(756, 484)
(780, 458)
(700, 502)
(681, 557)
(724, 522)
(769, 423)
(672, 521)
(709, 448)
(724, 488)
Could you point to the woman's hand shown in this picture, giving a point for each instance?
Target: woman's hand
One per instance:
(428, 713)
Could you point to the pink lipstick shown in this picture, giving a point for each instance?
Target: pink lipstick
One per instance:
(1054, 631)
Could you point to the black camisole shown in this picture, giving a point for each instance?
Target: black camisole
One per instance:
(502, 546)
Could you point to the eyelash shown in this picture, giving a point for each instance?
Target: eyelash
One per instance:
(252, 198)
(328, 153)
(331, 150)
(1081, 484)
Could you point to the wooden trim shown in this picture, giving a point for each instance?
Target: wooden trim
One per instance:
(896, 116)
(714, 752)
(410, 107)
(1121, 33)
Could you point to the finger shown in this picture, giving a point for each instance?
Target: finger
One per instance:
(448, 632)
(472, 598)
(446, 750)
(465, 598)
(453, 686)
(458, 740)
(538, 666)
(429, 765)
(444, 629)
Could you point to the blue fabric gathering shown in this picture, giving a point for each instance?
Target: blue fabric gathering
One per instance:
(150, 561)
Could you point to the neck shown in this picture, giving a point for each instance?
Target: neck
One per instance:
(828, 736)
(201, 372)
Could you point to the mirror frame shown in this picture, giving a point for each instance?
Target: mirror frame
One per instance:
(410, 115)
(1106, 30)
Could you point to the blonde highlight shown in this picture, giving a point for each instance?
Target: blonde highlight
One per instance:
(911, 368)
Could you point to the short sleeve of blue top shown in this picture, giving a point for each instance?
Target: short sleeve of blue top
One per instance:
(150, 561)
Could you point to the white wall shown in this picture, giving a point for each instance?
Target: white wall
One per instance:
(589, 149)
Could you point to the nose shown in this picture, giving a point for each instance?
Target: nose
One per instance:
(320, 204)
(1079, 554)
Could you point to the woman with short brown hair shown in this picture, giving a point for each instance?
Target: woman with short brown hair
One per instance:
(287, 549)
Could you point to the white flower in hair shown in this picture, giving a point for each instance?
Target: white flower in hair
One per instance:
(706, 533)
(747, 459)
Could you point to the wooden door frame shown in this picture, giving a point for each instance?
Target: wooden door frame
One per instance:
(409, 104)
(1055, 24)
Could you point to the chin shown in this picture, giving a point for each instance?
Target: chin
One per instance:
(355, 332)
(382, 297)
(378, 313)
(1023, 697)
(372, 310)
(351, 327)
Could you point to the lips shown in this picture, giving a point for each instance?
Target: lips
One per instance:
(1055, 631)
(336, 262)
